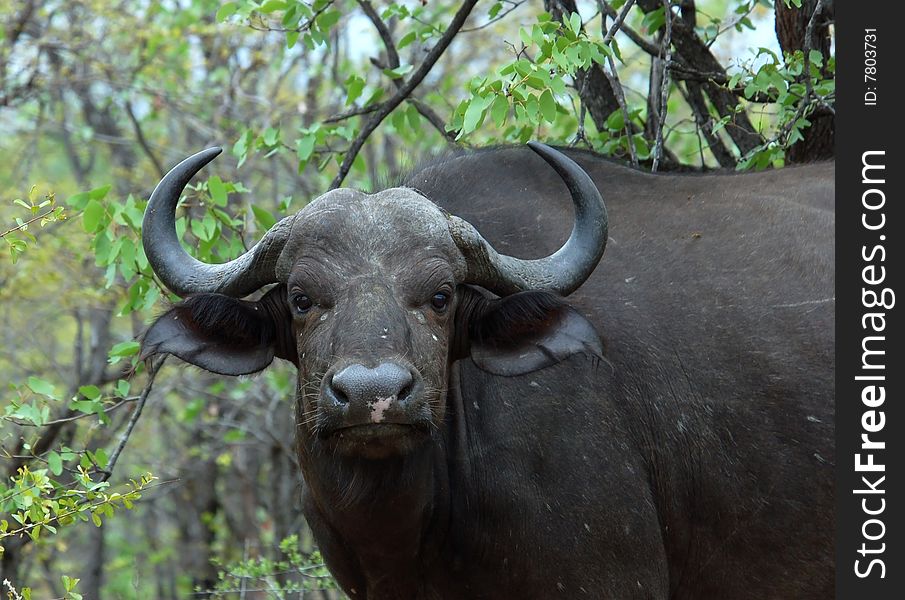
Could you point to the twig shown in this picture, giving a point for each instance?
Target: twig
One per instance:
(393, 62)
(617, 23)
(695, 99)
(806, 50)
(664, 86)
(633, 35)
(612, 75)
(133, 419)
(142, 140)
(355, 112)
(26, 223)
(620, 98)
(383, 31)
(499, 17)
(387, 107)
(70, 419)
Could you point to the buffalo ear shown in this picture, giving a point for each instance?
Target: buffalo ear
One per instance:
(219, 333)
(528, 331)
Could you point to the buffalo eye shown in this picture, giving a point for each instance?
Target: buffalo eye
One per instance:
(439, 301)
(301, 303)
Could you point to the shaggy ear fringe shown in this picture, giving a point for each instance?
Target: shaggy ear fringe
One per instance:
(234, 322)
(514, 317)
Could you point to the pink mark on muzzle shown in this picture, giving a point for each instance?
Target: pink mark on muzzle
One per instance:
(380, 406)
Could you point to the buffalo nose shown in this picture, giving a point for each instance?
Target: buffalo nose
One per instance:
(357, 383)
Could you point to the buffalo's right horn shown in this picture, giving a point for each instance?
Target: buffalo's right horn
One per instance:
(561, 272)
(185, 275)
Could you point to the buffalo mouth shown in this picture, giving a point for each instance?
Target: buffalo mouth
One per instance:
(377, 440)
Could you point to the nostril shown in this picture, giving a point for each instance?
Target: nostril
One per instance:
(404, 392)
(339, 395)
(357, 383)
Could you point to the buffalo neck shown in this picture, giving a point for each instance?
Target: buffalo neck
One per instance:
(391, 513)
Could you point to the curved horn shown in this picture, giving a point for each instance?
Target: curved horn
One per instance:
(561, 272)
(183, 274)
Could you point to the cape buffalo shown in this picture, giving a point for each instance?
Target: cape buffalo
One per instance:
(465, 433)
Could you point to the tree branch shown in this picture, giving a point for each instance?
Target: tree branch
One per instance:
(142, 141)
(695, 99)
(664, 86)
(387, 107)
(393, 62)
(133, 419)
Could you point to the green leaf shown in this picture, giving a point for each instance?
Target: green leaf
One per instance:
(272, 6)
(354, 86)
(55, 462)
(616, 121)
(816, 57)
(654, 20)
(78, 201)
(327, 19)
(100, 457)
(41, 386)
(217, 190)
(93, 218)
(263, 217)
(473, 115)
(124, 349)
(86, 406)
(227, 10)
(92, 392)
(304, 147)
(548, 106)
(122, 386)
(271, 136)
(407, 39)
(398, 72)
(234, 435)
(575, 23)
(499, 110)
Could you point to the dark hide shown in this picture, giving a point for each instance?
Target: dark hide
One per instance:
(689, 455)
(716, 301)
(490, 509)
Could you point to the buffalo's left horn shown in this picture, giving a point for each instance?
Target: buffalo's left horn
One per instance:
(183, 274)
(561, 272)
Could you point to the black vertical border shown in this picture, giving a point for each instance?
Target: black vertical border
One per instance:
(861, 128)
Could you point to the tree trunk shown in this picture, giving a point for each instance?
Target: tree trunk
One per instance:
(791, 30)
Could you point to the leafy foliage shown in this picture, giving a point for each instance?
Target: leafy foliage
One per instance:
(301, 573)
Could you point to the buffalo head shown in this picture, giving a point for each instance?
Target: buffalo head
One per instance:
(373, 302)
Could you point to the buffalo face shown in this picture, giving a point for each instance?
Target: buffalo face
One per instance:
(373, 303)
(371, 289)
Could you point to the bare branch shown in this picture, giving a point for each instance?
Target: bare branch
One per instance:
(142, 141)
(393, 62)
(383, 31)
(496, 19)
(664, 86)
(806, 50)
(355, 112)
(633, 35)
(404, 92)
(613, 78)
(25, 224)
(695, 99)
(617, 22)
(133, 419)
